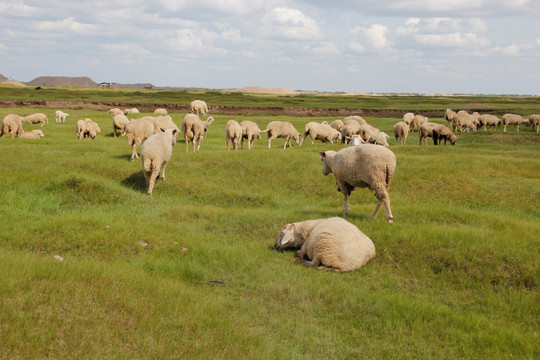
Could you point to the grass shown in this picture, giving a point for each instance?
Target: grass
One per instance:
(191, 272)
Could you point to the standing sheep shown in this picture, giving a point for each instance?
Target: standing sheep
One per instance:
(417, 121)
(137, 131)
(534, 120)
(282, 129)
(12, 124)
(320, 132)
(34, 134)
(199, 107)
(36, 119)
(206, 124)
(116, 111)
(407, 118)
(486, 120)
(60, 116)
(370, 166)
(356, 140)
(450, 115)
(87, 128)
(512, 119)
(360, 120)
(333, 243)
(337, 124)
(119, 124)
(372, 135)
(233, 133)
(401, 131)
(465, 121)
(349, 130)
(426, 130)
(441, 133)
(156, 152)
(250, 132)
(193, 130)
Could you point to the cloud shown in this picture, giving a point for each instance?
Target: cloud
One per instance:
(456, 40)
(292, 24)
(323, 48)
(69, 25)
(372, 38)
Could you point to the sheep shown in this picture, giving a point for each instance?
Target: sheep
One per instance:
(161, 111)
(34, 134)
(408, 118)
(334, 243)
(417, 121)
(119, 124)
(360, 120)
(233, 133)
(349, 130)
(372, 135)
(486, 120)
(36, 119)
(250, 131)
(512, 119)
(282, 129)
(193, 129)
(465, 121)
(356, 140)
(12, 124)
(449, 116)
(337, 124)
(60, 116)
(199, 107)
(87, 128)
(116, 111)
(156, 152)
(320, 132)
(206, 124)
(370, 166)
(401, 131)
(131, 111)
(534, 120)
(443, 133)
(426, 130)
(137, 131)
(162, 123)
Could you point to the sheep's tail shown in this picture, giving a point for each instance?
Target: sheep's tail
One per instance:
(389, 176)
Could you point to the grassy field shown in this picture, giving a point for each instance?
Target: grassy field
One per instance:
(191, 271)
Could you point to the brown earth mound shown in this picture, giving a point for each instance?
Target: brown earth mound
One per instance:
(2, 78)
(82, 81)
(13, 83)
(261, 90)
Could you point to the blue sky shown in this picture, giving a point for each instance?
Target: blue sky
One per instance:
(420, 46)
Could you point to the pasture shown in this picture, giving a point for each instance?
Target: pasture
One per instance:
(191, 271)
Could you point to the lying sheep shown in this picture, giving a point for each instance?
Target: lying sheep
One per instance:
(34, 134)
(87, 128)
(360, 120)
(12, 124)
(131, 111)
(512, 119)
(417, 121)
(233, 134)
(161, 111)
(356, 140)
(193, 130)
(534, 120)
(334, 243)
(199, 107)
(401, 131)
(320, 132)
(119, 124)
(408, 118)
(370, 166)
(36, 119)
(156, 152)
(116, 111)
(137, 131)
(60, 116)
(282, 129)
(250, 132)
(441, 133)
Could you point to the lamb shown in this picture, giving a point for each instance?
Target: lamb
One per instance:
(534, 120)
(119, 124)
(131, 111)
(360, 120)
(282, 129)
(370, 166)
(417, 121)
(137, 131)
(486, 120)
(34, 134)
(12, 124)
(60, 116)
(250, 132)
(401, 131)
(87, 128)
(116, 111)
(334, 243)
(193, 129)
(443, 133)
(408, 118)
(160, 111)
(199, 107)
(206, 124)
(156, 152)
(372, 135)
(36, 119)
(512, 119)
(426, 130)
(356, 140)
(320, 132)
(233, 133)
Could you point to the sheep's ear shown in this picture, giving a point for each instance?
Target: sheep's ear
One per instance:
(162, 130)
(174, 132)
(288, 234)
(323, 154)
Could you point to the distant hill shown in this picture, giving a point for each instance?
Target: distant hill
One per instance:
(2, 78)
(82, 81)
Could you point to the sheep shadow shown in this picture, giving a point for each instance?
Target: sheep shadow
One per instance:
(124, 156)
(136, 182)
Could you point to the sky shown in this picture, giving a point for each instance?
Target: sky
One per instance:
(391, 46)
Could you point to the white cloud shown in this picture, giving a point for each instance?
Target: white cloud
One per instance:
(370, 38)
(323, 48)
(290, 24)
(68, 25)
(456, 40)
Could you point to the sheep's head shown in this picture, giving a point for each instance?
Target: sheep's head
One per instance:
(325, 155)
(452, 138)
(40, 133)
(287, 238)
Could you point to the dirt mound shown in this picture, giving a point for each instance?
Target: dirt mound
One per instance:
(261, 90)
(81, 81)
(2, 78)
(13, 83)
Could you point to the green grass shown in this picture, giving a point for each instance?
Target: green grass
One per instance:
(456, 276)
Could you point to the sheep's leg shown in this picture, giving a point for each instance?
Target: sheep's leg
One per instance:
(383, 199)
(345, 202)
(163, 170)
(187, 143)
(152, 180)
(270, 139)
(504, 128)
(134, 152)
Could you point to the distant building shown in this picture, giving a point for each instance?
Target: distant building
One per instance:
(107, 85)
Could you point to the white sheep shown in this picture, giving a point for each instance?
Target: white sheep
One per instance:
(337, 124)
(349, 130)
(465, 121)
(250, 132)
(12, 124)
(417, 121)
(282, 129)
(360, 120)
(34, 134)
(534, 120)
(161, 111)
(441, 133)
(372, 135)
(512, 119)
(137, 131)
(206, 124)
(131, 111)
(36, 119)
(486, 120)
(450, 115)
(408, 118)
(356, 140)
(119, 124)
(162, 123)
(60, 116)
(320, 132)
(334, 243)
(116, 111)
(87, 128)
(199, 107)
(426, 130)
(156, 152)
(193, 130)
(233, 134)
(401, 131)
(370, 166)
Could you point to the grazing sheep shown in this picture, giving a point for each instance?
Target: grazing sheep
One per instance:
(337, 124)
(417, 121)
(12, 124)
(356, 140)
(401, 131)
(360, 120)
(206, 124)
(137, 131)
(426, 130)
(334, 243)
(250, 131)
(60, 116)
(408, 118)
(156, 152)
(193, 130)
(162, 123)
(465, 121)
(233, 133)
(349, 130)
(370, 166)
(512, 119)
(116, 111)
(441, 133)
(36, 119)
(131, 111)
(199, 107)
(34, 134)
(372, 135)
(320, 132)
(486, 120)
(534, 120)
(161, 111)
(450, 116)
(87, 128)
(282, 129)
(119, 124)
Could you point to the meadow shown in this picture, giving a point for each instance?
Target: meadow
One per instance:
(191, 273)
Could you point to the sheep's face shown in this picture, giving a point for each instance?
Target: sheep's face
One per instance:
(286, 238)
(40, 133)
(297, 139)
(453, 139)
(325, 166)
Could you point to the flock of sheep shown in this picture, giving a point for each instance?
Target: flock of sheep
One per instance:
(365, 163)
